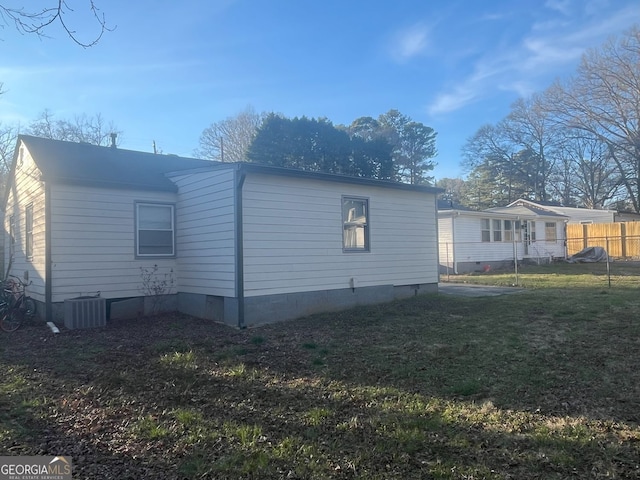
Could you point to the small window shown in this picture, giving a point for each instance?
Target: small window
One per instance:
(155, 232)
(518, 226)
(550, 232)
(532, 231)
(497, 230)
(508, 230)
(485, 227)
(28, 231)
(355, 224)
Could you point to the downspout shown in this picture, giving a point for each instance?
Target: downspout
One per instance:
(240, 176)
(48, 261)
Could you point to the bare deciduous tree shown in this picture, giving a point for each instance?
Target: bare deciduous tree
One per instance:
(528, 127)
(32, 20)
(8, 136)
(491, 156)
(603, 100)
(82, 128)
(584, 175)
(228, 140)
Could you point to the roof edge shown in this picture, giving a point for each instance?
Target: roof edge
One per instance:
(246, 167)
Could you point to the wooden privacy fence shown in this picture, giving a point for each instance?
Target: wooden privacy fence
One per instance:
(620, 239)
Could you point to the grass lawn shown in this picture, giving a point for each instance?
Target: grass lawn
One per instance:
(544, 384)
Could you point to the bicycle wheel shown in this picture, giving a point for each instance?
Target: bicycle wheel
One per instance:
(10, 320)
(29, 306)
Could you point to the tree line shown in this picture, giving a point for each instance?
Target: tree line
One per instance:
(391, 147)
(577, 143)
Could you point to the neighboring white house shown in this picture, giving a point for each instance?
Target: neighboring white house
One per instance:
(481, 240)
(243, 243)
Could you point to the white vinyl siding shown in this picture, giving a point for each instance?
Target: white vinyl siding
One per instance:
(446, 248)
(26, 190)
(293, 240)
(540, 245)
(468, 246)
(12, 236)
(93, 242)
(205, 232)
(463, 227)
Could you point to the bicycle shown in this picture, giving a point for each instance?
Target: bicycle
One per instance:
(15, 305)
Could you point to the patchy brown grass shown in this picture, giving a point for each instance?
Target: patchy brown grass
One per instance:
(544, 385)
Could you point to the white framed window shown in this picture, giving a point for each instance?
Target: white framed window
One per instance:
(355, 224)
(497, 230)
(550, 232)
(508, 230)
(28, 231)
(485, 229)
(155, 229)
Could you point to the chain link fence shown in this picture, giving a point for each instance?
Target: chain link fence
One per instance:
(622, 262)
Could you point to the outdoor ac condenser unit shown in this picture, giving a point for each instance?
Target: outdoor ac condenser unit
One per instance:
(85, 312)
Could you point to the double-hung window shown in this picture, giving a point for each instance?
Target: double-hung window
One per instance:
(550, 232)
(508, 230)
(497, 230)
(355, 224)
(485, 229)
(155, 230)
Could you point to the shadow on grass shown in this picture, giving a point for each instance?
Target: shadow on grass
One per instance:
(412, 389)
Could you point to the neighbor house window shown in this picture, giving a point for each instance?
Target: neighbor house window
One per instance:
(28, 231)
(485, 228)
(155, 230)
(497, 230)
(355, 224)
(532, 231)
(550, 233)
(508, 230)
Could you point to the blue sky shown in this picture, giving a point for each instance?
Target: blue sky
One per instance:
(169, 69)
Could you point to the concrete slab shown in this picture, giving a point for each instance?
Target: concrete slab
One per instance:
(469, 290)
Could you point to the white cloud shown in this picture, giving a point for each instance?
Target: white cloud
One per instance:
(562, 6)
(450, 102)
(410, 42)
(542, 54)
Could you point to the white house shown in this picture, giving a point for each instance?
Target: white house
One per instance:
(243, 243)
(481, 240)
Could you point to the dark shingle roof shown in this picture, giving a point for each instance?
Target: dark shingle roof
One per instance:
(109, 167)
(86, 164)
